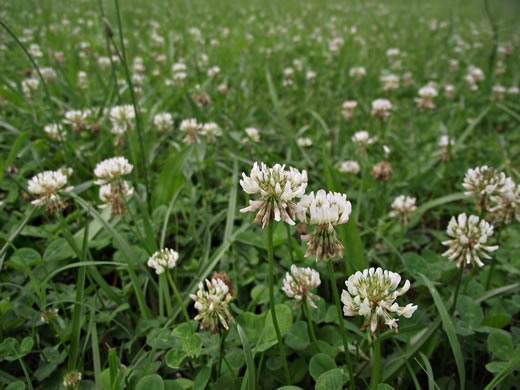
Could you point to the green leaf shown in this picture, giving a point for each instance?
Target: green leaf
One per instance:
(150, 382)
(26, 346)
(319, 364)
(171, 177)
(192, 345)
(501, 345)
(497, 321)
(384, 386)
(331, 380)
(494, 367)
(171, 384)
(202, 378)
(249, 358)
(58, 250)
(298, 336)
(470, 311)
(513, 365)
(285, 320)
(289, 388)
(13, 151)
(251, 324)
(18, 385)
(448, 328)
(175, 357)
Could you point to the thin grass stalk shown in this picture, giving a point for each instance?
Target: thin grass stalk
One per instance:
(270, 255)
(136, 109)
(178, 297)
(341, 325)
(457, 288)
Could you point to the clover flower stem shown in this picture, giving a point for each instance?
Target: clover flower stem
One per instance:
(309, 322)
(289, 240)
(493, 262)
(376, 362)
(223, 335)
(164, 295)
(179, 299)
(459, 278)
(271, 302)
(466, 284)
(341, 325)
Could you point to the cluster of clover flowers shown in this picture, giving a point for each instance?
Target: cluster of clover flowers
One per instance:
(370, 293)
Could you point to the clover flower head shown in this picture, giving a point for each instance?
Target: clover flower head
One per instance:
(362, 139)
(426, 95)
(163, 260)
(212, 302)
(483, 182)
(446, 146)
(506, 206)
(468, 239)
(498, 92)
(299, 282)
(277, 188)
(402, 207)
(30, 85)
(48, 185)
(55, 131)
(77, 119)
(163, 121)
(372, 294)
(324, 210)
(213, 71)
(211, 131)
(121, 118)
(252, 134)
(381, 171)
(71, 379)
(348, 108)
(112, 169)
(304, 142)
(192, 129)
(349, 166)
(357, 72)
(381, 108)
(390, 82)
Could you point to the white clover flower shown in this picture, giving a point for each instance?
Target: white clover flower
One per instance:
(163, 260)
(112, 169)
(278, 189)
(71, 379)
(104, 63)
(349, 166)
(372, 294)
(211, 131)
(77, 119)
(55, 131)
(304, 142)
(449, 91)
(468, 239)
(514, 90)
(357, 72)
(498, 93)
(299, 283)
(426, 95)
(324, 210)
(48, 185)
(310, 75)
(454, 65)
(390, 82)
(48, 73)
(362, 139)
(213, 71)
(393, 53)
(35, 50)
(179, 68)
(446, 145)
(402, 207)
(381, 108)
(163, 121)
(82, 79)
(386, 151)
(212, 302)
(252, 134)
(29, 86)
(348, 108)
(484, 181)
(192, 129)
(506, 207)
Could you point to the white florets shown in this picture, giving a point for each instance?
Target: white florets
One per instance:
(112, 169)
(163, 260)
(299, 282)
(372, 294)
(163, 121)
(350, 166)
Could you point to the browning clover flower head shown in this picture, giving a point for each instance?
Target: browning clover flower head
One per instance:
(468, 236)
(506, 207)
(372, 294)
(426, 95)
(382, 171)
(446, 145)
(47, 186)
(324, 210)
(348, 108)
(114, 194)
(212, 302)
(192, 129)
(299, 283)
(483, 182)
(163, 260)
(278, 189)
(402, 207)
(381, 108)
(71, 379)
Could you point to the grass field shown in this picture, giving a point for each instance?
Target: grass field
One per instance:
(150, 240)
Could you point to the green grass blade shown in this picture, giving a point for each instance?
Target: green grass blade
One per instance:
(249, 358)
(449, 329)
(14, 235)
(232, 205)
(96, 359)
(513, 365)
